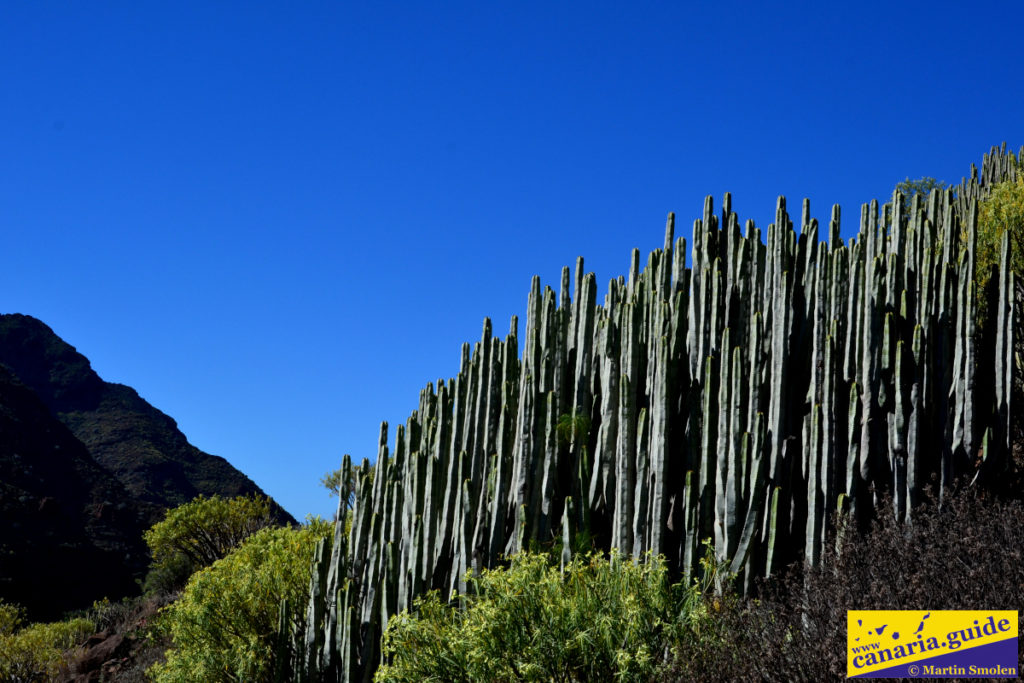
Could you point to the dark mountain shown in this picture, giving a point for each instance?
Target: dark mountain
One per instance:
(69, 532)
(85, 466)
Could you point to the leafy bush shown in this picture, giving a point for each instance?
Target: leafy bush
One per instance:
(199, 533)
(1003, 211)
(968, 554)
(11, 617)
(224, 624)
(602, 619)
(37, 652)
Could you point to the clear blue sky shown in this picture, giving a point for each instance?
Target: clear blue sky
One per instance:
(278, 221)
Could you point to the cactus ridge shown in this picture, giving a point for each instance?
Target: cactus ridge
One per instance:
(743, 398)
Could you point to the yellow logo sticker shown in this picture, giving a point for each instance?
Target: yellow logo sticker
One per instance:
(931, 644)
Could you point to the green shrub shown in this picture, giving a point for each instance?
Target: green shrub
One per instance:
(37, 652)
(224, 624)
(199, 533)
(1002, 211)
(11, 617)
(600, 620)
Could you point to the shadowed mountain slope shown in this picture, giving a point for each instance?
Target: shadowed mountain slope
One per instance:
(137, 443)
(85, 467)
(71, 533)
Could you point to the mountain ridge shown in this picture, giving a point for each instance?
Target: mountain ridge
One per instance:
(85, 466)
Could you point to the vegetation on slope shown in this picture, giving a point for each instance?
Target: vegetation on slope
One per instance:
(1002, 212)
(221, 619)
(200, 532)
(605, 619)
(596, 619)
(966, 554)
(36, 652)
(224, 626)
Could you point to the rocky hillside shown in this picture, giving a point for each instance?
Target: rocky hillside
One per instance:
(71, 532)
(85, 466)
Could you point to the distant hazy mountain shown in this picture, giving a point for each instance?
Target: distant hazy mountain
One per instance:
(85, 466)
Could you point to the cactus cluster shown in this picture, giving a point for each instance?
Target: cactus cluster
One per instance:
(744, 398)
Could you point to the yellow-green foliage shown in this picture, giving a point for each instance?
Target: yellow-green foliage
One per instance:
(198, 533)
(36, 652)
(224, 624)
(600, 620)
(1002, 211)
(11, 617)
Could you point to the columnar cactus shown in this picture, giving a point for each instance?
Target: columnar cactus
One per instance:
(743, 398)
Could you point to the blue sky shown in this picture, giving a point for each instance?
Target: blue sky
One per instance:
(279, 221)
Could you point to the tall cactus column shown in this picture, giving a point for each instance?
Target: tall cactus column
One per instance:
(742, 399)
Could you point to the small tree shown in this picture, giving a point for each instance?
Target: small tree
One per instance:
(921, 186)
(199, 533)
(332, 482)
